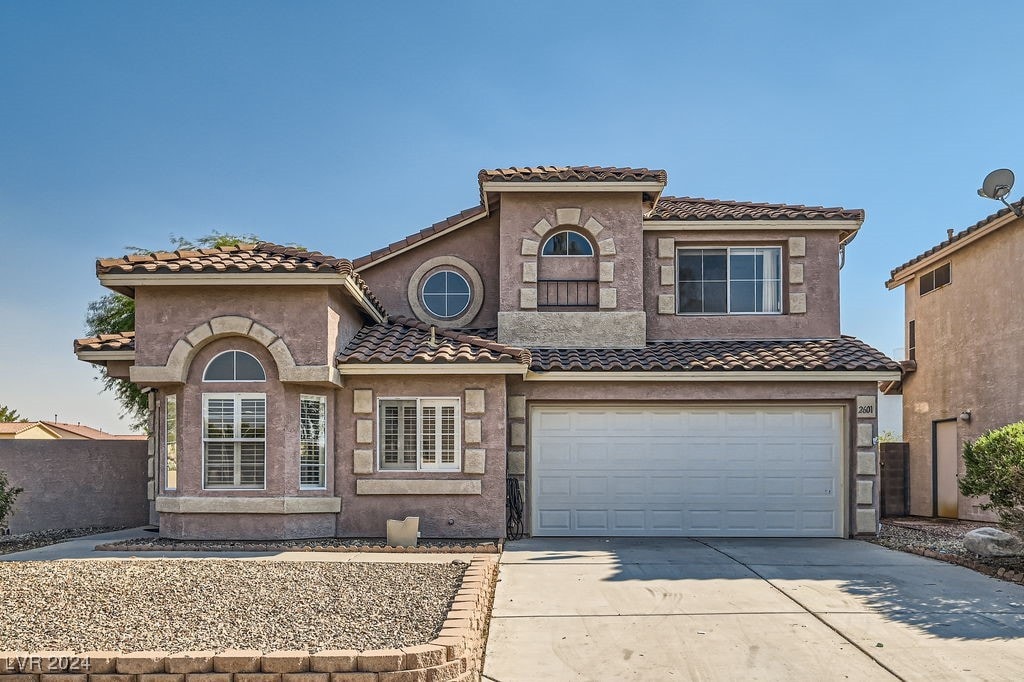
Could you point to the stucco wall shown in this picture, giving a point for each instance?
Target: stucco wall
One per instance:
(476, 243)
(474, 516)
(818, 271)
(282, 460)
(620, 215)
(76, 483)
(298, 314)
(969, 354)
(857, 455)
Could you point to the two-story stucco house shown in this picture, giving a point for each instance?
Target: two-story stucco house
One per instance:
(640, 364)
(965, 355)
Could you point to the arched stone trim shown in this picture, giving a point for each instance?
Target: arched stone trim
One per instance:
(570, 217)
(175, 370)
(476, 285)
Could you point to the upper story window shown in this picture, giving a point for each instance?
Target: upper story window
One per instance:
(729, 280)
(933, 279)
(446, 294)
(912, 340)
(234, 365)
(567, 243)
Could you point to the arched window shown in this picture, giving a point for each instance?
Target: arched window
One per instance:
(567, 243)
(234, 365)
(446, 294)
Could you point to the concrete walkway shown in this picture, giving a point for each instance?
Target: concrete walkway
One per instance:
(681, 609)
(83, 548)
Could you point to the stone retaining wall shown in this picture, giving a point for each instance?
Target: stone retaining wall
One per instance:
(456, 654)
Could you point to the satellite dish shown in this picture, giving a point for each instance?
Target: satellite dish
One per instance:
(997, 184)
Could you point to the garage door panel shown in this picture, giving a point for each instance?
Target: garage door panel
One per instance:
(687, 471)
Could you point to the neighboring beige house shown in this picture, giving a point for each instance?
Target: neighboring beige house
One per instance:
(57, 430)
(637, 364)
(27, 430)
(965, 354)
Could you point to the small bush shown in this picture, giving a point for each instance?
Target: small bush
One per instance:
(8, 493)
(995, 467)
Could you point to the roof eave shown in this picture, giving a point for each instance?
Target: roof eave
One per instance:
(906, 272)
(726, 376)
(405, 368)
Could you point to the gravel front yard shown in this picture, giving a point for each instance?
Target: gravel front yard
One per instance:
(181, 604)
(23, 541)
(939, 535)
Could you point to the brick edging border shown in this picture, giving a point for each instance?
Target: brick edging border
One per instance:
(456, 654)
(1000, 573)
(386, 549)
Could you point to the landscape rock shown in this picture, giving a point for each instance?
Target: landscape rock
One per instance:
(993, 542)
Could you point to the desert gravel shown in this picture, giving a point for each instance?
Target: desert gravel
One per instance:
(42, 538)
(939, 535)
(181, 604)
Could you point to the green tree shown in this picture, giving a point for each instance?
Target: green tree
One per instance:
(8, 494)
(9, 415)
(114, 313)
(994, 466)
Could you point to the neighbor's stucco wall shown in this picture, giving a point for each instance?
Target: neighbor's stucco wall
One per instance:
(860, 451)
(474, 516)
(76, 483)
(969, 354)
(476, 243)
(298, 314)
(810, 280)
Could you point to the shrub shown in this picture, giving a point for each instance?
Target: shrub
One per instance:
(995, 467)
(8, 493)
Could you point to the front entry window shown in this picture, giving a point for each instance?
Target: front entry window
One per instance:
(234, 440)
(420, 433)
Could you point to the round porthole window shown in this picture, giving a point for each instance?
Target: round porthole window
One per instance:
(446, 294)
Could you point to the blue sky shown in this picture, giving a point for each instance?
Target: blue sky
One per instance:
(344, 126)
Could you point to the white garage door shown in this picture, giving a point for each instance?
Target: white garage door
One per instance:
(716, 471)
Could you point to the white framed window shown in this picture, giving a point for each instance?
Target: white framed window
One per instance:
(171, 442)
(418, 434)
(729, 280)
(234, 365)
(567, 243)
(234, 440)
(312, 442)
(446, 294)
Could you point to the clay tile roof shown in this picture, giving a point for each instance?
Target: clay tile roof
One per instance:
(16, 427)
(843, 354)
(264, 257)
(122, 341)
(441, 226)
(572, 174)
(955, 238)
(696, 208)
(89, 432)
(403, 340)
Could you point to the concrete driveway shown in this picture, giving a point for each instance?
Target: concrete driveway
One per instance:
(745, 609)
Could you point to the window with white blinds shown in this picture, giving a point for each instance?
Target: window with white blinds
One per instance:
(234, 440)
(171, 443)
(312, 442)
(419, 434)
